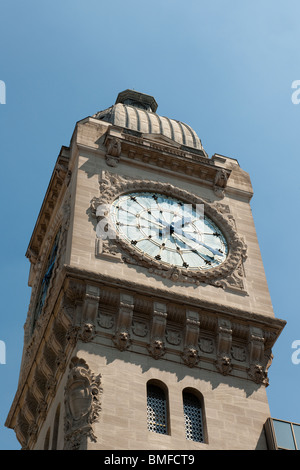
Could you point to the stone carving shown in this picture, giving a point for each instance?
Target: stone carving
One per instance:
(156, 347)
(258, 368)
(87, 332)
(82, 404)
(191, 336)
(206, 345)
(238, 353)
(224, 340)
(113, 154)
(173, 337)
(140, 329)
(124, 321)
(228, 274)
(106, 321)
(220, 182)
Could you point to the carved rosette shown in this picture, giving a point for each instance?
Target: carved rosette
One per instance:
(82, 405)
(228, 274)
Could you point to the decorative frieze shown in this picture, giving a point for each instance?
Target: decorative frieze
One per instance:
(164, 153)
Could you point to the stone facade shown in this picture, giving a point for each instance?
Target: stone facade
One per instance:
(111, 320)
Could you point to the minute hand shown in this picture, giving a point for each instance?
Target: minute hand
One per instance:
(212, 250)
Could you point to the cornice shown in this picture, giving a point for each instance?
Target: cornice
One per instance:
(161, 152)
(211, 307)
(59, 180)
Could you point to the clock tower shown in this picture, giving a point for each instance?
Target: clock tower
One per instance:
(150, 324)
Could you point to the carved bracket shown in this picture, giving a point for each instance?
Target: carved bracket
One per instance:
(156, 346)
(191, 337)
(113, 145)
(124, 321)
(220, 182)
(224, 342)
(258, 369)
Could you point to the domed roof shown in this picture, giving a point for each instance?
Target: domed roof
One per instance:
(136, 111)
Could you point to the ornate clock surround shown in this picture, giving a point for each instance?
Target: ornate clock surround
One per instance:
(229, 273)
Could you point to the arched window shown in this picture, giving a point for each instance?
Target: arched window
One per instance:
(193, 415)
(157, 409)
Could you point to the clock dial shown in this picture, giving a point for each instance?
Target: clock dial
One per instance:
(169, 230)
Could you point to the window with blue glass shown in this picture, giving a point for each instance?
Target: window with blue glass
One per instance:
(282, 435)
(46, 279)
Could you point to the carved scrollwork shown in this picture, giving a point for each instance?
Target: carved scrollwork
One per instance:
(82, 404)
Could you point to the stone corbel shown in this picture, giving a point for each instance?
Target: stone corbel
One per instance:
(224, 342)
(124, 322)
(113, 153)
(190, 353)
(89, 313)
(156, 347)
(220, 182)
(257, 370)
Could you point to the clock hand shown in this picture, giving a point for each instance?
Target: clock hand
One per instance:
(212, 250)
(206, 258)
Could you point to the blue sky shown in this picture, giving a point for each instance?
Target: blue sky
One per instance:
(225, 68)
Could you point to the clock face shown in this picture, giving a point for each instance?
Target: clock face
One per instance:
(169, 230)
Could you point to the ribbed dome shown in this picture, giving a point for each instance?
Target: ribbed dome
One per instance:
(136, 111)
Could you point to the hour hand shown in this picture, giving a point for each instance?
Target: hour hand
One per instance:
(212, 250)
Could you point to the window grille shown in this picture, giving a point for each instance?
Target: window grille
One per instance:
(193, 418)
(156, 410)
